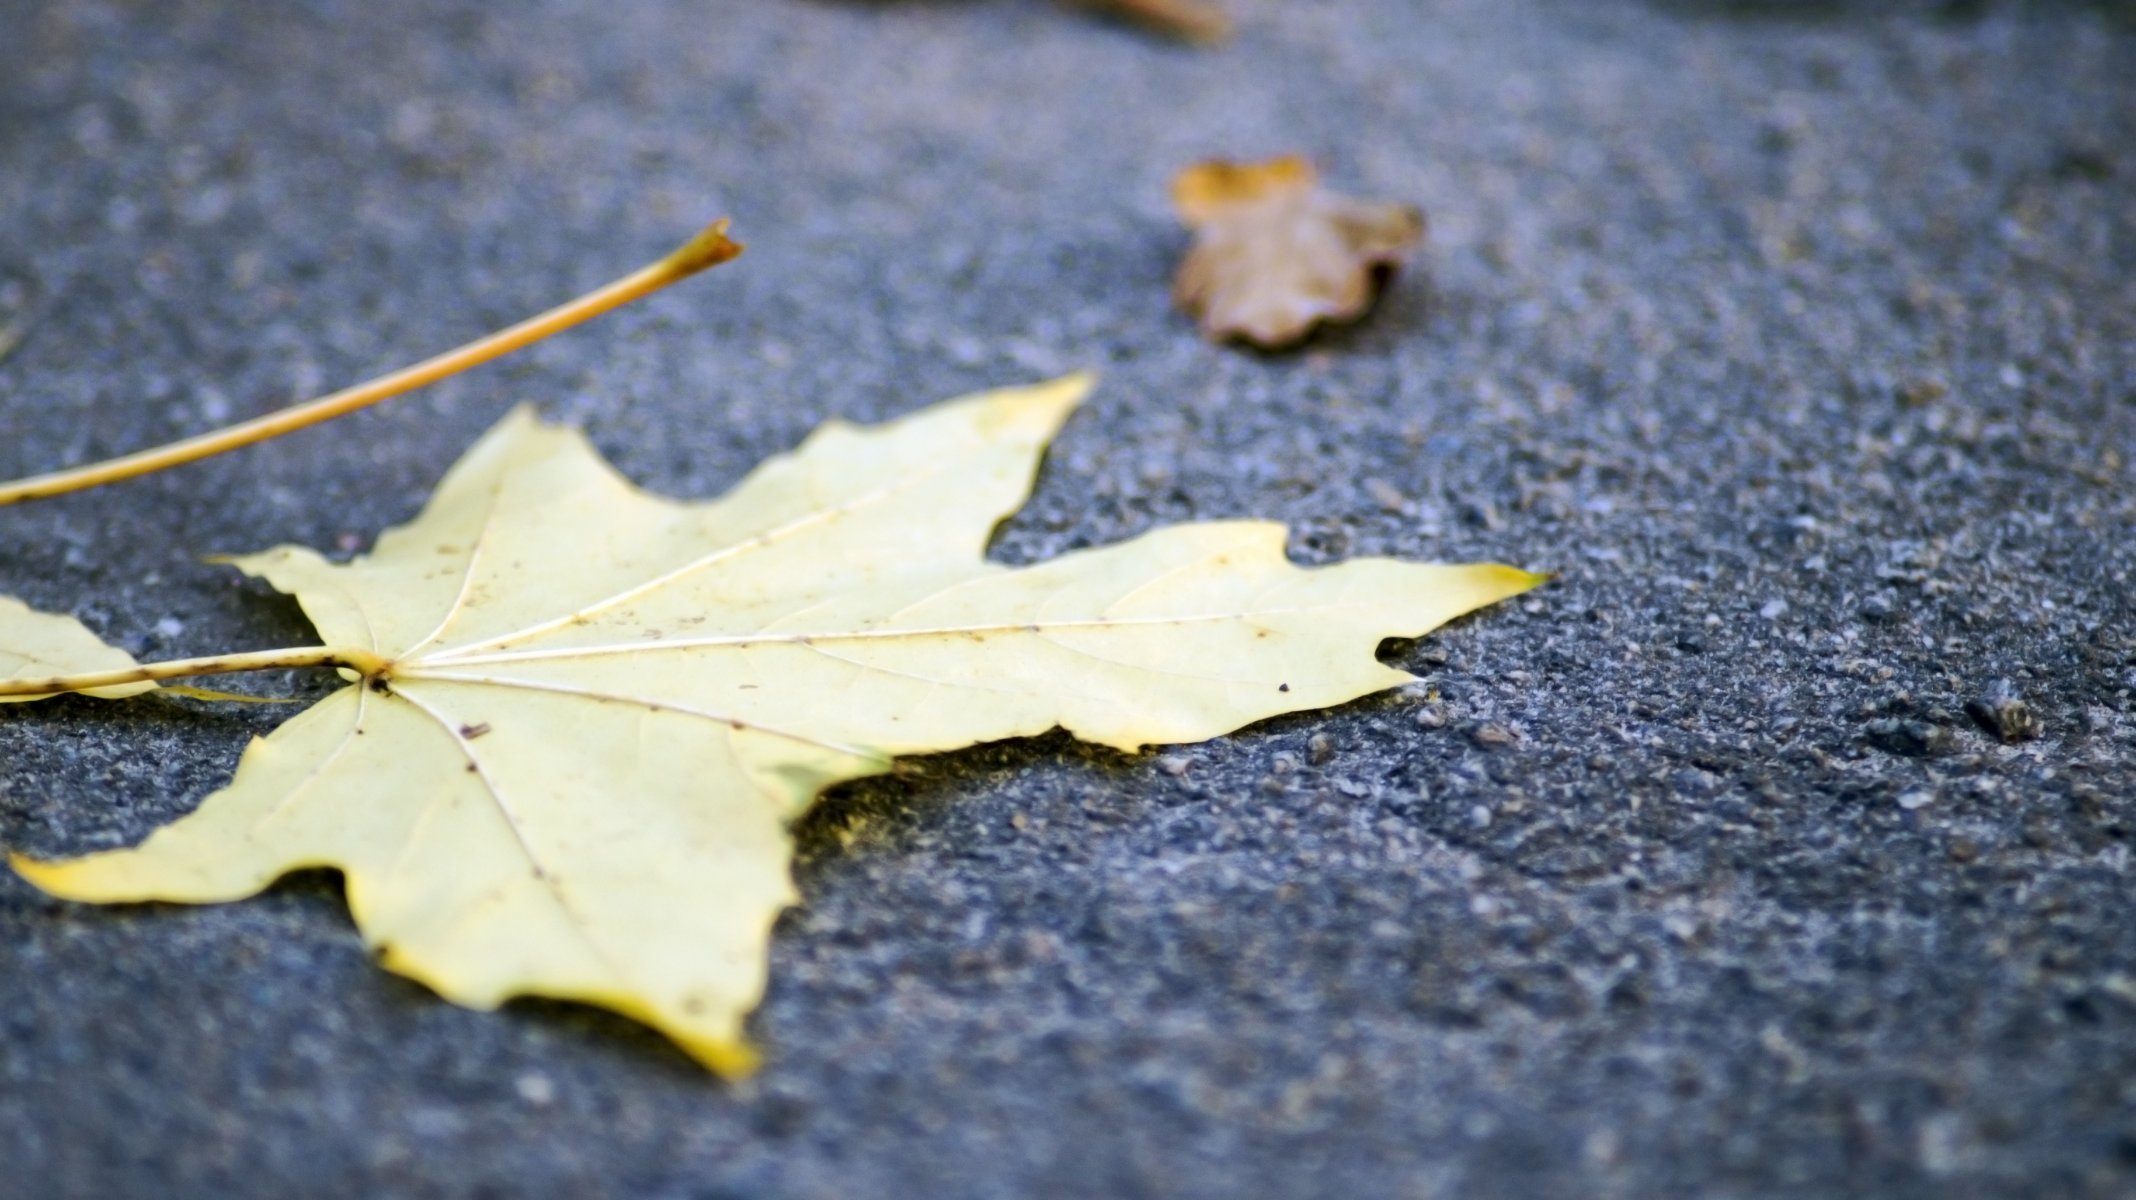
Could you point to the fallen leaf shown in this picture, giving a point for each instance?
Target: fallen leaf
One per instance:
(586, 716)
(37, 645)
(1274, 254)
(1189, 20)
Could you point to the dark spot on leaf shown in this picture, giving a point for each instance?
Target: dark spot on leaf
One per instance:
(1282, 687)
(471, 732)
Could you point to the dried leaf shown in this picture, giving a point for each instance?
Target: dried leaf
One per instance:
(1189, 20)
(36, 645)
(1274, 254)
(592, 713)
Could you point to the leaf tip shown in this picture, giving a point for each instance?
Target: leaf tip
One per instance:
(1081, 381)
(731, 1059)
(47, 876)
(1033, 411)
(1515, 580)
(1064, 392)
(1492, 583)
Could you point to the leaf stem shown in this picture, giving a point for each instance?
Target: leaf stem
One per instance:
(363, 662)
(709, 248)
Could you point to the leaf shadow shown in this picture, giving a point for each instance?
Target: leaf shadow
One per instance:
(1404, 309)
(629, 1043)
(157, 758)
(920, 791)
(322, 895)
(1405, 305)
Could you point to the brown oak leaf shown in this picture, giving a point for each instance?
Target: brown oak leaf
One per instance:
(1275, 254)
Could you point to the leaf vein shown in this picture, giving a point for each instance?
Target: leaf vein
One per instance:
(768, 538)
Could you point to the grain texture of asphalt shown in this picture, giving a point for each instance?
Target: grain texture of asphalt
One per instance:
(1779, 847)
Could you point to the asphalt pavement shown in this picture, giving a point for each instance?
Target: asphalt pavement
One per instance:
(1779, 847)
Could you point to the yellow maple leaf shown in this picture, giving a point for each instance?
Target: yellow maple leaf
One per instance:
(36, 645)
(581, 717)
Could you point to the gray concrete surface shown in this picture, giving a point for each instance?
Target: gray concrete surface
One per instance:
(1799, 339)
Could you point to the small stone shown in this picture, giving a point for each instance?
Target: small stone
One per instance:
(2001, 712)
(1320, 750)
(535, 1088)
(1485, 516)
(2086, 163)
(1916, 392)
(1912, 739)
(1041, 946)
(1491, 737)
(1431, 716)
(1773, 609)
(1173, 764)
(1386, 495)
(1916, 799)
(1962, 850)
(1480, 817)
